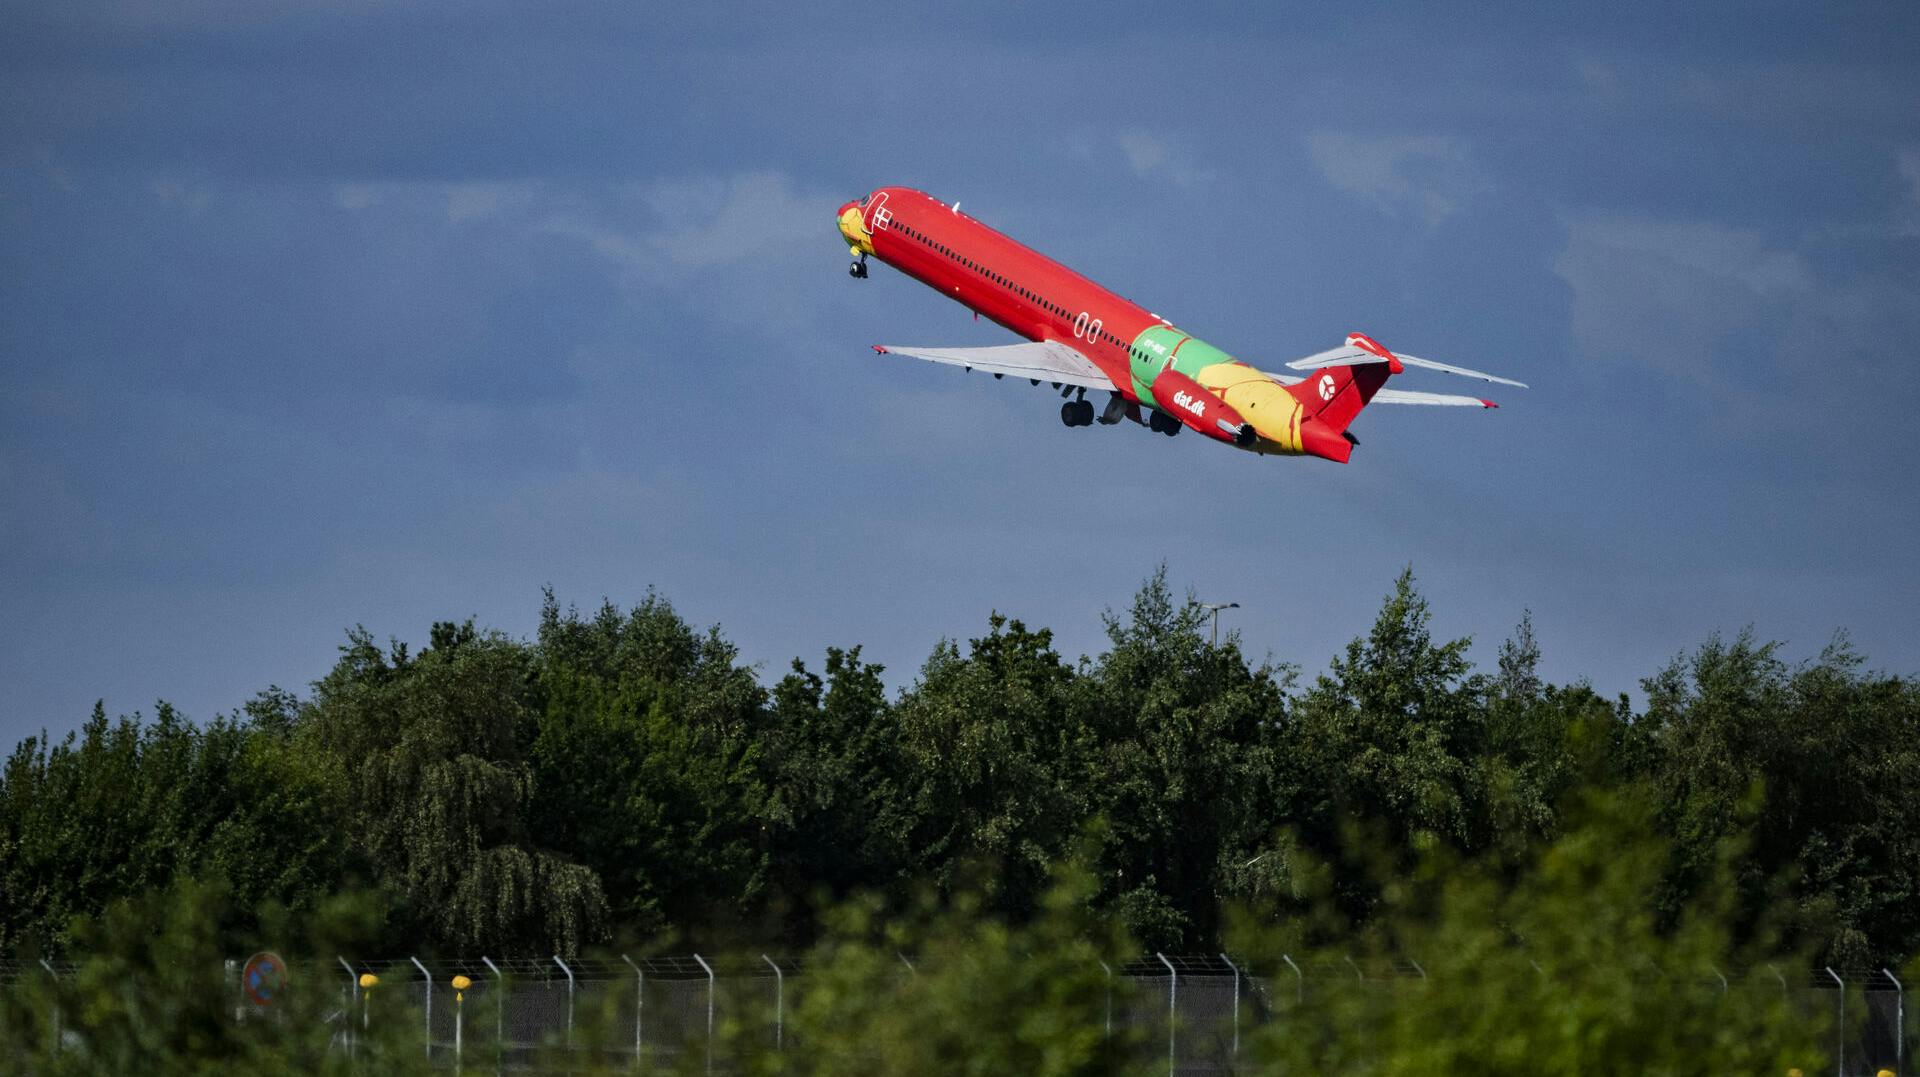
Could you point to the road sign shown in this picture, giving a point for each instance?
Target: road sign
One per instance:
(264, 978)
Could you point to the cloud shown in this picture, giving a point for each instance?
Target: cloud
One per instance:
(1667, 293)
(1428, 176)
(1151, 156)
(1910, 171)
(472, 201)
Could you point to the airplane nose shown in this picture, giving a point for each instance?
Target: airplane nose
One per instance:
(853, 229)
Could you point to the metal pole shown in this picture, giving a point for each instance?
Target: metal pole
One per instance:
(353, 984)
(779, 1003)
(459, 1016)
(569, 972)
(709, 968)
(58, 1035)
(639, 1010)
(1109, 972)
(908, 964)
(1722, 975)
(1899, 1023)
(499, 1014)
(1775, 969)
(1299, 981)
(428, 980)
(1418, 969)
(1841, 1033)
(1173, 986)
(1236, 1003)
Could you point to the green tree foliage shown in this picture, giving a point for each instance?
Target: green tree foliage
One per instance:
(624, 771)
(1817, 763)
(837, 810)
(1562, 968)
(119, 808)
(428, 751)
(1186, 756)
(980, 995)
(645, 757)
(991, 759)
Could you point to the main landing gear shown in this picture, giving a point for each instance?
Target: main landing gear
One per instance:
(1161, 423)
(1077, 413)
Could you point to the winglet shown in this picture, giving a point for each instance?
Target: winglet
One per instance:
(1367, 344)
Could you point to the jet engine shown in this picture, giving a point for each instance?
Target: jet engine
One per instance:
(1198, 409)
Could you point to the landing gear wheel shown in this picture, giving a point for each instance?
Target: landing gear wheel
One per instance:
(1083, 412)
(858, 270)
(1069, 414)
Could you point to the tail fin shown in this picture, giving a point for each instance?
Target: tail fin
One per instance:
(1333, 395)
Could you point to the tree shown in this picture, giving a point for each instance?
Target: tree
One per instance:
(1391, 741)
(991, 763)
(836, 806)
(645, 757)
(1185, 772)
(428, 753)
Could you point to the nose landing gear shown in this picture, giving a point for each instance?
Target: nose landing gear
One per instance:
(858, 270)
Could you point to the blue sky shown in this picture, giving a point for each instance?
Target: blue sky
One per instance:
(359, 312)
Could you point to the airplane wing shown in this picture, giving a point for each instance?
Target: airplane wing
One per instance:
(1352, 356)
(1049, 361)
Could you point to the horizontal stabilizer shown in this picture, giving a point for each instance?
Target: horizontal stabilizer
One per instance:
(1402, 396)
(1353, 356)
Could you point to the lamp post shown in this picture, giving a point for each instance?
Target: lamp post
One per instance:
(1215, 608)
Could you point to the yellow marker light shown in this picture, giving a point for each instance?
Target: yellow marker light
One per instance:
(368, 979)
(461, 983)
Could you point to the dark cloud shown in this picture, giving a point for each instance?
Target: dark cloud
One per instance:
(383, 313)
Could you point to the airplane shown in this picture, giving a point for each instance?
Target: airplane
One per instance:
(1084, 338)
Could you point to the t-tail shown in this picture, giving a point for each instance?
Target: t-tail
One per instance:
(1332, 396)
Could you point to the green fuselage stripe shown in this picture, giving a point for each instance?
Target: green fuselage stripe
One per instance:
(1156, 344)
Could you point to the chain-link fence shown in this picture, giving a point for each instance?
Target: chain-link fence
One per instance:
(1191, 1014)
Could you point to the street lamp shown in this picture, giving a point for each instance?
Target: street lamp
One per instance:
(1215, 608)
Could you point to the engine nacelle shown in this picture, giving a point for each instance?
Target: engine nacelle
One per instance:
(1198, 409)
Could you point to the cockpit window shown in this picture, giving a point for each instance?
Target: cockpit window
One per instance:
(863, 200)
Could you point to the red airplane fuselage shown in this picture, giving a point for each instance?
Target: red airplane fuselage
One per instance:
(999, 277)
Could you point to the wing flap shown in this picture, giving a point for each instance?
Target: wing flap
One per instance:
(1049, 361)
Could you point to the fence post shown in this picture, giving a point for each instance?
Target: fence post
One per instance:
(1236, 1003)
(1840, 1035)
(709, 968)
(639, 1011)
(1109, 972)
(1299, 980)
(569, 972)
(1899, 1023)
(779, 1004)
(428, 980)
(499, 1014)
(353, 985)
(57, 1033)
(1173, 1013)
